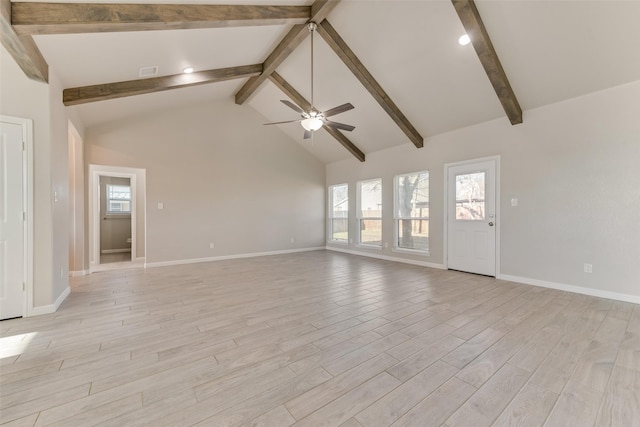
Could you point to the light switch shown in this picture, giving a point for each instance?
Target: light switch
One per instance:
(514, 202)
(160, 206)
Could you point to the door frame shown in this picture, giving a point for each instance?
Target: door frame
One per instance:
(498, 219)
(27, 200)
(95, 172)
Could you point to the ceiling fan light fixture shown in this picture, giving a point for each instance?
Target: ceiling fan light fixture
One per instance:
(464, 40)
(311, 124)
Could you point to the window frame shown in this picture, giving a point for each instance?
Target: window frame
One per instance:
(361, 218)
(330, 216)
(397, 218)
(108, 200)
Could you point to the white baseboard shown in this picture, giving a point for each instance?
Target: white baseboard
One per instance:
(226, 257)
(387, 258)
(572, 288)
(124, 265)
(524, 280)
(78, 273)
(51, 308)
(115, 251)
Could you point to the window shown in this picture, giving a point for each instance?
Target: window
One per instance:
(470, 196)
(339, 213)
(412, 211)
(370, 212)
(118, 199)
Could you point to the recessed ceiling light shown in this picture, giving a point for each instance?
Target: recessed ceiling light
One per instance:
(464, 40)
(188, 70)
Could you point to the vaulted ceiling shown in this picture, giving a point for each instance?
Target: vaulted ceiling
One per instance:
(549, 50)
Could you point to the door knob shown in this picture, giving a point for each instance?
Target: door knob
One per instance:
(491, 224)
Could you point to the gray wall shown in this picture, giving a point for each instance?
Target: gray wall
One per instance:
(21, 97)
(573, 167)
(223, 178)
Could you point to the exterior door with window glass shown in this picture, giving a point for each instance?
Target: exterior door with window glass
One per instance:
(471, 217)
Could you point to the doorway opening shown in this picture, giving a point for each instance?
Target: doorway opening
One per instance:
(116, 226)
(115, 219)
(472, 202)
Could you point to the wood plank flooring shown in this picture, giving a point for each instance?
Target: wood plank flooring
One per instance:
(320, 339)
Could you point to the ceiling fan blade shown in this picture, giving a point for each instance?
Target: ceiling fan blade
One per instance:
(339, 109)
(307, 134)
(292, 106)
(280, 123)
(337, 125)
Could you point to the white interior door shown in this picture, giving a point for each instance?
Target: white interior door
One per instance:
(471, 217)
(12, 225)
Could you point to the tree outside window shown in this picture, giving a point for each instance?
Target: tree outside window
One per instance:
(370, 212)
(339, 213)
(412, 211)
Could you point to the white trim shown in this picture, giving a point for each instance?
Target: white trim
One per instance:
(115, 251)
(445, 228)
(524, 280)
(359, 216)
(367, 246)
(124, 265)
(95, 172)
(226, 257)
(330, 218)
(78, 273)
(397, 218)
(572, 288)
(27, 200)
(415, 252)
(338, 242)
(388, 258)
(51, 308)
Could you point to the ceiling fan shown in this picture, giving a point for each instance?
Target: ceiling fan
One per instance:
(312, 120)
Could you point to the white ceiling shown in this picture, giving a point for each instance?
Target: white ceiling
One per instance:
(550, 50)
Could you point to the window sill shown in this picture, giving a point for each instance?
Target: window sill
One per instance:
(411, 251)
(365, 246)
(338, 242)
(113, 215)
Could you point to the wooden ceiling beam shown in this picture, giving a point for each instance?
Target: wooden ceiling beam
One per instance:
(102, 92)
(301, 101)
(319, 11)
(69, 18)
(340, 47)
(473, 25)
(22, 48)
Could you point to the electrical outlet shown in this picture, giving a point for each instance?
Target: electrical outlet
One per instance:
(212, 245)
(292, 240)
(386, 244)
(588, 268)
(514, 201)
(61, 272)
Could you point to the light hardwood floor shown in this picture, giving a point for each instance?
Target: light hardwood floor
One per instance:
(320, 339)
